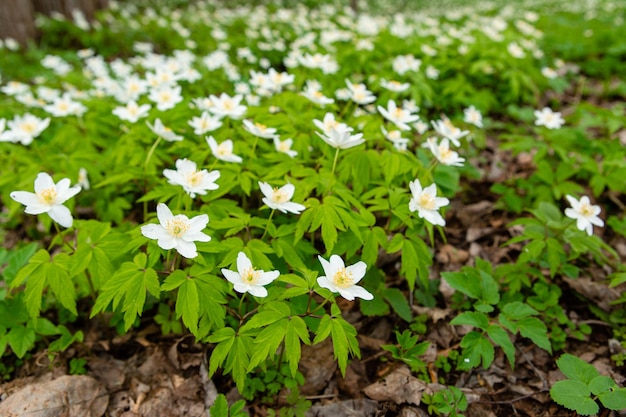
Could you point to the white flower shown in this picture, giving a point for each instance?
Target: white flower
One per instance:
(426, 202)
(248, 279)
(342, 279)
(446, 129)
(395, 137)
(404, 63)
(546, 117)
(421, 127)
(279, 198)
(444, 155)
(65, 106)
(585, 214)
(432, 72)
(223, 151)
(329, 123)
(132, 112)
(226, 106)
(192, 180)
(24, 129)
(473, 116)
(164, 132)
(177, 232)
(313, 93)
(204, 123)
(342, 138)
(394, 86)
(260, 130)
(359, 93)
(284, 146)
(166, 96)
(48, 198)
(83, 179)
(397, 115)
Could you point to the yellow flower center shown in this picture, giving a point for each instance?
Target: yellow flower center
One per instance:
(177, 227)
(228, 105)
(63, 106)
(279, 196)
(343, 278)
(194, 178)
(427, 201)
(586, 210)
(28, 127)
(261, 127)
(398, 113)
(48, 196)
(250, 276)
(284, 146)
(318, 94)
(222, 150)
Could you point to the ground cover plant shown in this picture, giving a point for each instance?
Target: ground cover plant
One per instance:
(268, 210)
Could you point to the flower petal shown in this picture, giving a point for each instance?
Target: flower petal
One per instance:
(243, 263)
(61, 214)
(357, 270)
(232, 276)
(43, 182)
(164, 213)
(186, 249)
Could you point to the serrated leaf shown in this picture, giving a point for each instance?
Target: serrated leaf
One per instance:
(476, 348)
(500, 337)
(296, 332)
(471, 318)
(614, 400)
(219, 407)
(269, 313)
(576, 369)
(535, 330)
(344, 342)
(518, 310)
(555, 253)
(267, 342)
(174, 280)
(225, 338)
(574, 395)
(188, 305)
(399, 303)
(21, 339)
(601, 384)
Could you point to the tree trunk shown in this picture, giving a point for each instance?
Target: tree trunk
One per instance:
(17, 20)
(17, 17)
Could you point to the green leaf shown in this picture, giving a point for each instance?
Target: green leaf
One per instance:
(601, 384)
(518, 310)
(344, 342)
(500, 337)
(555, 255)
(219, 407)
(296, 332)
(21, 339)
(188, 305)
(268, 313)
(129, 285)
(399, 303)
(614, 400)
(535, 330)
(476, 347)
(574, 395)
(267, 342)
(472, 318)
(577, 369)
(224, 338)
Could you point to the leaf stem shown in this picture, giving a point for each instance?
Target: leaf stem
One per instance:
(267, 226)
(151, 152)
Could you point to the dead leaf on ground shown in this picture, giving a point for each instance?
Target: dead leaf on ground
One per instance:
(361, 407)
(68, 396)
(400, 386)
(599, 293)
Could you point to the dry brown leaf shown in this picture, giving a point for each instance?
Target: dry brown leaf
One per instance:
(599, 293)
(68, 396)
(448, 254)
(400, 387)
(361, 407)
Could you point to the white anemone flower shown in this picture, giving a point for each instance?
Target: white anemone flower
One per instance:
(446, 129)
(395, 86)
(284, 146)
(426, 202)
(342, 138)
(132, 111)
(227, 106)
(585, 214)
(473, 116)
(223, 151)
(280, 198)
(548, 118)
(260, 130)
(342, 279)
(49, 198)
(444, 154)
(24, 129)
(163, 131)
(205, 123)
(166, 96)
(177, 232)
(192, 180)
(248, 279)
(398, 115)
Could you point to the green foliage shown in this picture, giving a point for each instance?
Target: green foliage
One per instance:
(220, 408)
(450, 401)
(584, 387)
(408, 351)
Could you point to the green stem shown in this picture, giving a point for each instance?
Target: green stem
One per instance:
(241, 303)
(267, 226)
(150, 152)
(321, 305)
(256, 140)
(332, 171)
(63, 242)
